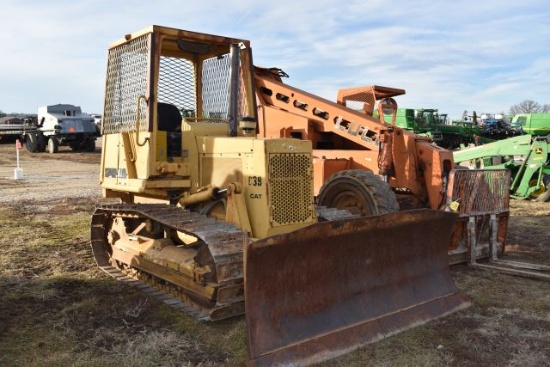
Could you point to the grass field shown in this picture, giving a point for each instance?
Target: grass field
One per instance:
(58, 309)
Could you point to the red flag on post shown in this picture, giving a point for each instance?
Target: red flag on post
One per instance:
(18, 144)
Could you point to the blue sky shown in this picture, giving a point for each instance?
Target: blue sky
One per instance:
(454, 56)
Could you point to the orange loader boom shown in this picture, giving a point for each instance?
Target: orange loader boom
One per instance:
(345, 139)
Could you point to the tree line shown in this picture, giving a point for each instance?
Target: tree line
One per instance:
(529, 106)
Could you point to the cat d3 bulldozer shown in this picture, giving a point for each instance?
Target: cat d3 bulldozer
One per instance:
(206, 216)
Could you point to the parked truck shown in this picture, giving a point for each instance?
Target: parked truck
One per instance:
(62, 125)
(56, 125)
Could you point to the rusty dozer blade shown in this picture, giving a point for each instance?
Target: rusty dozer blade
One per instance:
(322, 291)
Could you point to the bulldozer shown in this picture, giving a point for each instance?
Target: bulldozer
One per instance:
(206, 215)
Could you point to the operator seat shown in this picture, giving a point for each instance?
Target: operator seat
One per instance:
(169, 120)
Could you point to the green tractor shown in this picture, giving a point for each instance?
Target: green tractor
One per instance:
(532, 123)
(451, 135)
(526, 156)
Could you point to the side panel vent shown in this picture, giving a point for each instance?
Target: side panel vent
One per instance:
(291, 188)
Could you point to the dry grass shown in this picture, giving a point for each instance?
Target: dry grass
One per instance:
(58, 309)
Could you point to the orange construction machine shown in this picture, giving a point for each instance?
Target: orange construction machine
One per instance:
(369, 166)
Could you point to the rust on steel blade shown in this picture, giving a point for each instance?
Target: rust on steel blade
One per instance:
(322, 291)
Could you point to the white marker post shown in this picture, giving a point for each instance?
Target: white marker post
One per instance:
(18, 172)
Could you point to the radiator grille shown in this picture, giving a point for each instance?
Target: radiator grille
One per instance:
(291, 183)
(480, 191)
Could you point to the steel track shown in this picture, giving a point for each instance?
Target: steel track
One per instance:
(224, 240)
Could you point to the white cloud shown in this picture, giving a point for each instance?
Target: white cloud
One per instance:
(464, 55)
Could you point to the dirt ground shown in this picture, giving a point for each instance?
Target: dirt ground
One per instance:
(57, 308)
(66, 174)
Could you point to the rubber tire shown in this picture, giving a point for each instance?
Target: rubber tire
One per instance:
(53, 145)
(90, 145)
(372, 195)
(42, 143)
(75, 146)
(545, 196)
(31, 142)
